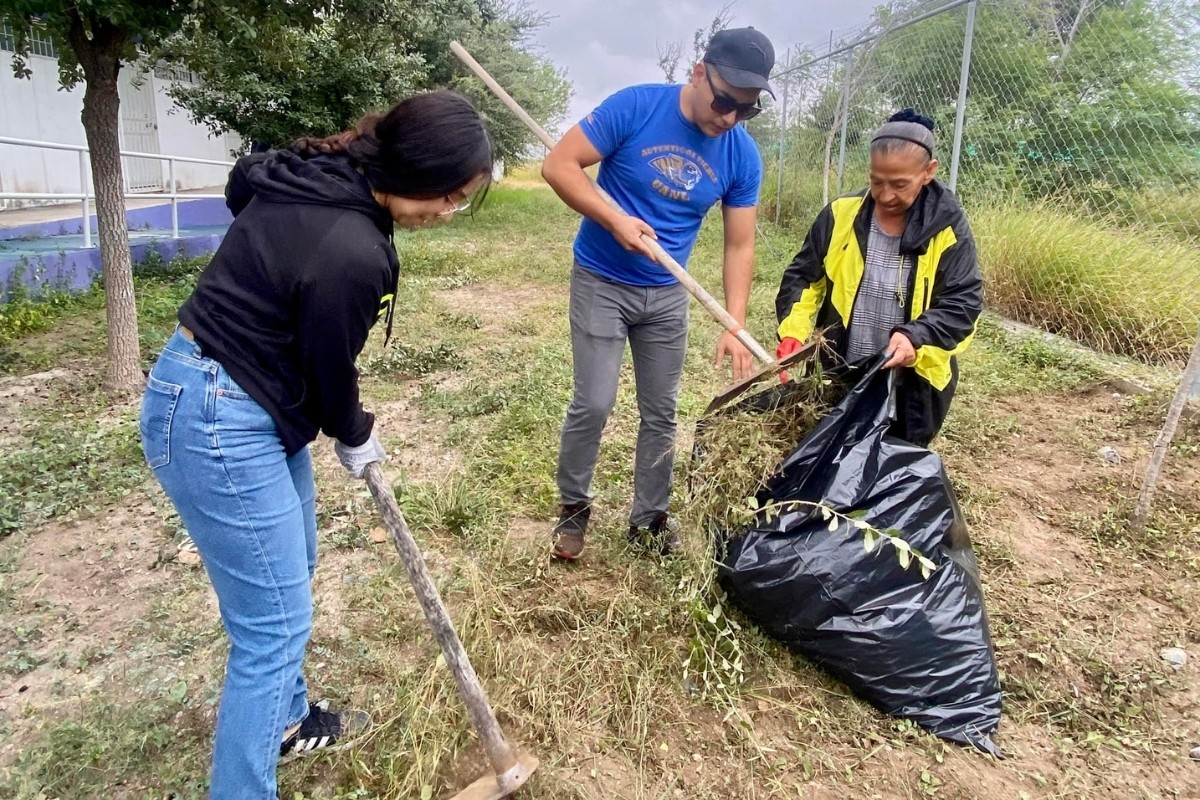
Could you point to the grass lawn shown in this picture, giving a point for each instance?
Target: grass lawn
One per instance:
(111, 651)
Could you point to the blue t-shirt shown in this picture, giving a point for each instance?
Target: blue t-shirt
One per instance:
(661, 169)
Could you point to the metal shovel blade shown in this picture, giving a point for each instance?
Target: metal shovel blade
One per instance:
(488, 787)
(765, 372)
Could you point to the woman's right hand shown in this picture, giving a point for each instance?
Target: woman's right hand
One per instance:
(356, 459)
(628, 232)
(786, 347)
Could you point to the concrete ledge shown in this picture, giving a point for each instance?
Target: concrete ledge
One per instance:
(204, 211)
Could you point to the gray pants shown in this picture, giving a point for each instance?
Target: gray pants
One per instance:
(654, 319)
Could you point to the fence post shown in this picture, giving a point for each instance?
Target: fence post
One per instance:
(846, 92)
(87, 208)
(174, 200)
(1162, 444)
(963, 77)
(782, 145)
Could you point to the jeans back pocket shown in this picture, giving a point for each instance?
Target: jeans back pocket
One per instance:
(158, 409)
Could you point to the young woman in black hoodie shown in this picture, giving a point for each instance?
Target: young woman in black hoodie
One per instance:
(263, 361)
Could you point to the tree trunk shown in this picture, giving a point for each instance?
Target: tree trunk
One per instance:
(99, 56)
(1069, 40)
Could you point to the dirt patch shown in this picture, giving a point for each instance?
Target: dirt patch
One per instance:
(496, 306)
(1080, 619)
(598, 775)
(413, 441)
(523, 531)
(81, 592)
(18, 386)
(23, 396)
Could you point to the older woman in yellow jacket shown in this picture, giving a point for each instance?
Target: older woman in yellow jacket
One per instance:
(891, 269)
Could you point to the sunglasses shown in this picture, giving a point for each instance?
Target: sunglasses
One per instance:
(724, 104)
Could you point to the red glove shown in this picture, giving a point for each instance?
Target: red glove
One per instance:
(786, 347)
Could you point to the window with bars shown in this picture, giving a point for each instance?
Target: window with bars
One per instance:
(170, 72)
(40, 42)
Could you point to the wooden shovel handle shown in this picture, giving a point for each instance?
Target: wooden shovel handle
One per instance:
(660, 255)
(501, 754)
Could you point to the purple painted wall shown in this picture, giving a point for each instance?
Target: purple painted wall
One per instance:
(53, 253)
(210, 211)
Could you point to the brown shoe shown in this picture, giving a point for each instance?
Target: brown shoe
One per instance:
(658, 537)
(570, 530)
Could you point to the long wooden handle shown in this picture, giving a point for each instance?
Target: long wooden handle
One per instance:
(500, 753)
(662, 256)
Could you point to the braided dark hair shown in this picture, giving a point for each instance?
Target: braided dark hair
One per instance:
(426, 146)
(312, 146)
(912, 115)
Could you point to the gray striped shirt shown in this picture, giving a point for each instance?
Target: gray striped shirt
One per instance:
(882, 296)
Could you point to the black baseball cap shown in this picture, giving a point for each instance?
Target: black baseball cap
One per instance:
(743, 57)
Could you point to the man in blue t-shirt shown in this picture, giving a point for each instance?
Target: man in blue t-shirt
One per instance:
(667, 154)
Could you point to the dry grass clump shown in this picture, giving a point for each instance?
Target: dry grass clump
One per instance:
(1131, 292)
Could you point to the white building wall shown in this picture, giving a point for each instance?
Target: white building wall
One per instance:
(36, 108)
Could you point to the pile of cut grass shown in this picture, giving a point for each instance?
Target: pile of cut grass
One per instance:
(739, 449)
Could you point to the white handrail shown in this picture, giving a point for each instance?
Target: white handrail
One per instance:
(79, 148)
(85, 196)
(82, 196)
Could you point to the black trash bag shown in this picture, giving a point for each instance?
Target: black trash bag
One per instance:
(913, 647)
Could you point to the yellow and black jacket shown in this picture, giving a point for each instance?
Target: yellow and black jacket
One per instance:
(944, 295)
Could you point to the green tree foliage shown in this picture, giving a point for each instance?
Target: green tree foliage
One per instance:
(1091, 99)
(94, 39)
(294, 80)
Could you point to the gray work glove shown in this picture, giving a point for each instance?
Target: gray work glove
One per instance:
(355, 459)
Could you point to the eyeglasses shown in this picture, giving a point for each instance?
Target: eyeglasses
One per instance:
(455, 207)
(724, 104)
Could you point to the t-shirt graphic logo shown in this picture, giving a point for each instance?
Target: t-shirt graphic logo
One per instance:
(680, 171)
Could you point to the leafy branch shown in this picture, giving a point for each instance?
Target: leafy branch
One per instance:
(872, 536)
(715, 664)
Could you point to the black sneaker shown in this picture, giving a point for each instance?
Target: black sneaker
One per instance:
(657, 537)
(571, 528)
(323, 731)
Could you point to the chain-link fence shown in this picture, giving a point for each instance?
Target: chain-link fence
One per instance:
(1070, 129)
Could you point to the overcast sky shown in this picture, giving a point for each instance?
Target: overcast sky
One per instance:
(607, 44)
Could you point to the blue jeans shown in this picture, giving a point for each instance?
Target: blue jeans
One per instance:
(251, 511)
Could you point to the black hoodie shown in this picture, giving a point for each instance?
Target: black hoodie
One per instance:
(286, 304)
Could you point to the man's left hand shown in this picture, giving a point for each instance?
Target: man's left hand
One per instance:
(728, 346)
(902, 350)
